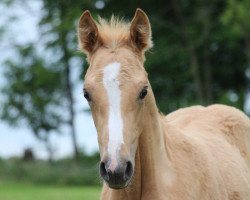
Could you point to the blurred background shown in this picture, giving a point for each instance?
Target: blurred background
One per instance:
(48, 142)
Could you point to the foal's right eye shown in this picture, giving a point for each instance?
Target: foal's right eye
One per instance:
(143, 93)
(86, 95)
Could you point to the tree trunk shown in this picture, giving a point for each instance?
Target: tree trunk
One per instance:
(71, 109)
(247, 52)
(66, 57)
(196, 75)
(208, 80)
(49, 147)
(205, 15)
(194, 64)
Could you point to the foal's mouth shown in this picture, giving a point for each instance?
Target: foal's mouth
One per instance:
(119, 186)
(120, 177)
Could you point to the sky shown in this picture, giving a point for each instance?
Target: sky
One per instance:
(13, 140)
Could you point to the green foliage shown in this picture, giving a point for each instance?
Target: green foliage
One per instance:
(236, 15)
(31, 92)
(60, 19)
(59, 23)
(196, 57)
(61, 172)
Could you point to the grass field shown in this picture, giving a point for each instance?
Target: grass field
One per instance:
(37, 192)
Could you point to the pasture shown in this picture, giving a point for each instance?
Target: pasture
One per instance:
(42, 192)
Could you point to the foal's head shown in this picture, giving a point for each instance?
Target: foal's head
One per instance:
(117, 89)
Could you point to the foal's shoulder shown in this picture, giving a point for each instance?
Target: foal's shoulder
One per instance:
(216, 112)
(211, 119)
(227, 115)
(191, 111)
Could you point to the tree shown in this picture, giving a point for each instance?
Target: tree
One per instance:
(61, 18)
(58, 36)
(235, 17)
(195, 58)
(33, 95)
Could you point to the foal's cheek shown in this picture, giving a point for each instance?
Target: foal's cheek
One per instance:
(99, 117)
(139, 121)
(94, 117)
(101, 143)
(98, 130)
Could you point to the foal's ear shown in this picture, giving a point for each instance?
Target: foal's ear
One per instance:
(140, 31)
(87, 33)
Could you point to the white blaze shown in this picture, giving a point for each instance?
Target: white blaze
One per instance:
(115, 123)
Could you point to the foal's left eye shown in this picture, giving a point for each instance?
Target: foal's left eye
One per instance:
(143, 93)
(86, 95)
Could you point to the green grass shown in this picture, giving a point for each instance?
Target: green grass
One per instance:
(38, 192)
(62, 172)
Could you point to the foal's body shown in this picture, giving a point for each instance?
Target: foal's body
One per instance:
(193, 153)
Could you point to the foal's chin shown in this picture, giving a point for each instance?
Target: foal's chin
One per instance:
(118, 186)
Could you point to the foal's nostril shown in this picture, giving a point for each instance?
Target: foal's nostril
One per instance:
(120, 177)
(129, 170)
(103, 171)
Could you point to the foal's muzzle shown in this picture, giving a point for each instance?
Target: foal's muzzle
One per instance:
(120, 177)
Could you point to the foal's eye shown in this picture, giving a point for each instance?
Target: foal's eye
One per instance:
(143, 93)
(86, 95)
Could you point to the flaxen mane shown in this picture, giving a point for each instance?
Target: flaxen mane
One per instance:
(113, 33)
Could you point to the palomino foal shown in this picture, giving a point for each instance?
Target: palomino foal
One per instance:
(195, 153)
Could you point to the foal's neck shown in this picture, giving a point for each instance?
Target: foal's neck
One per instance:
(153, 151)
(152, 158)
